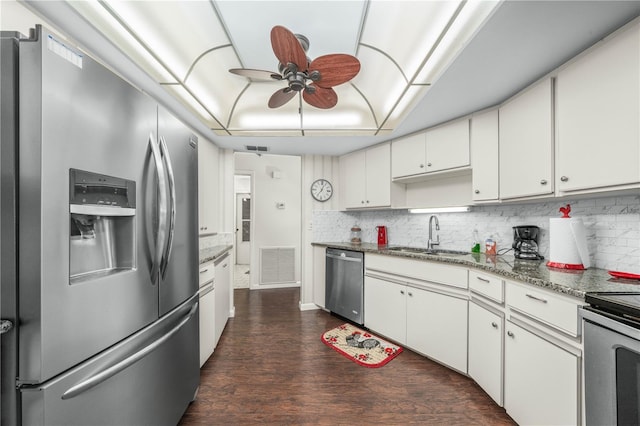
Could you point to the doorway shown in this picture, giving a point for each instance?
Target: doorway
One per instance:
(243, 230)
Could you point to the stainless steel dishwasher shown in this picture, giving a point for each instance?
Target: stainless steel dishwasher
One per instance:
(344, 290)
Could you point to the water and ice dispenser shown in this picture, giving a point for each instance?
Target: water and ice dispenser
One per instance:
(102, 225)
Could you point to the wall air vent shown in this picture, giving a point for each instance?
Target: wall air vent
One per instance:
(256, 148)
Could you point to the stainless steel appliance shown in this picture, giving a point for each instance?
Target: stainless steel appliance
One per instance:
(612, 358)
(525, 242)
(344, 289)
(99, 244)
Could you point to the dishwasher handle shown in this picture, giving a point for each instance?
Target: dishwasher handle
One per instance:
(348, 259)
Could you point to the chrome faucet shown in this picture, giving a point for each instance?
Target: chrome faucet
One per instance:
(430, 242)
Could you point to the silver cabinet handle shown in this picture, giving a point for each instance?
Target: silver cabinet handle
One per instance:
(428, 164)
(510, 334)
(531, 296)
(202, 271)
(401, 291)
(410, 294)
(5, 325)
(494, 325)
(564, 178)
(422, 166)
(543, 182)
(127, 362)
(484, 280)
(477, 191)
(162, 207)
(172, 206)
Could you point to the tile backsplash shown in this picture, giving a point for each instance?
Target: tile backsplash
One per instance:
(612, 224)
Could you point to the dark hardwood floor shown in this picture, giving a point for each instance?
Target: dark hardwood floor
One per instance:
(270, 367)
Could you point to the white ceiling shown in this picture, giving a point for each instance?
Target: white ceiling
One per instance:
(519, 43)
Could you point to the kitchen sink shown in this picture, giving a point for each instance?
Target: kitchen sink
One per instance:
(420, 250)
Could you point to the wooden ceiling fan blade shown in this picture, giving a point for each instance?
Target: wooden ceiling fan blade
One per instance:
(287, 48)
(335, 69)
(321, 98)
(256, 74)
(281, 97)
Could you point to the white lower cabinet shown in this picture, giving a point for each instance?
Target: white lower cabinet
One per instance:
(223, 294)
(385, 308)
(207, 311)
(437, 327)
(541, 385)
(486, 330)
(207, 322)
(428, 322)
(521, 343)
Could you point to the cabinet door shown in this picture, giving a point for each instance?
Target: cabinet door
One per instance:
(485, 350)
(484, 156)
(208, 186)
(598, 116)
(223, 294)
(540, 380)
(526, 143)
(437, 327)
(385, 308)
(448, 146)
(353, 167)
(207, 323)
(408, 156)
(319, 280)
(378, 176)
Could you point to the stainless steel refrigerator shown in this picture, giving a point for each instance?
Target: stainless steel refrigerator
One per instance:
(99, 244)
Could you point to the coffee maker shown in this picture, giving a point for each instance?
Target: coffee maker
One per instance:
(525, 242)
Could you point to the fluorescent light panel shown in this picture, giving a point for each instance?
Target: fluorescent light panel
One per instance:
(457, 209)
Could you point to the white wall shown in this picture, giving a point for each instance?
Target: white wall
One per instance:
(314, 167)
(274, 227)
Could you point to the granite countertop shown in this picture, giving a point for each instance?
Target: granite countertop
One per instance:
(534, 272)
(213, 253)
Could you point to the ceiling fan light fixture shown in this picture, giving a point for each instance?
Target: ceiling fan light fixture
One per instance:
(324, 72)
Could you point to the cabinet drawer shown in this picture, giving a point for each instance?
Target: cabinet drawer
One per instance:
(487, 285)
(207, 272)
(554, 310)
(423, 270)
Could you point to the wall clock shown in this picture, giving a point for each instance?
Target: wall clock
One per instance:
(321, 190)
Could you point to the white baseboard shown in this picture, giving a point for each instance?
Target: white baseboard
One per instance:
(266, 286)
(308, 306)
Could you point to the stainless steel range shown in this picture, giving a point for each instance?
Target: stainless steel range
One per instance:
(612, 358)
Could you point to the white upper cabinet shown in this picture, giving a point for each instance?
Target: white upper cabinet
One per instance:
(439, 149)
(448, 146)
(484, 156)
(208, 187)
(367, 177)
(408, 155)
(526, 143)
(598, 116)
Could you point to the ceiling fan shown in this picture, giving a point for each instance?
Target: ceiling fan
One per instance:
(315, 79)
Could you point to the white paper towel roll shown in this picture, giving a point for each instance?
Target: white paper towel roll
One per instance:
(568, 243)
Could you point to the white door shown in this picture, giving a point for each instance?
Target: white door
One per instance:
(243, 229)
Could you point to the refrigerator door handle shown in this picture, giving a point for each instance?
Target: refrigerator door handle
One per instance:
(162, 209)
(127, 362)
(172, 206)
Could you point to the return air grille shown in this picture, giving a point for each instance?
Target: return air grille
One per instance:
(256, 148)
(277, 265)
